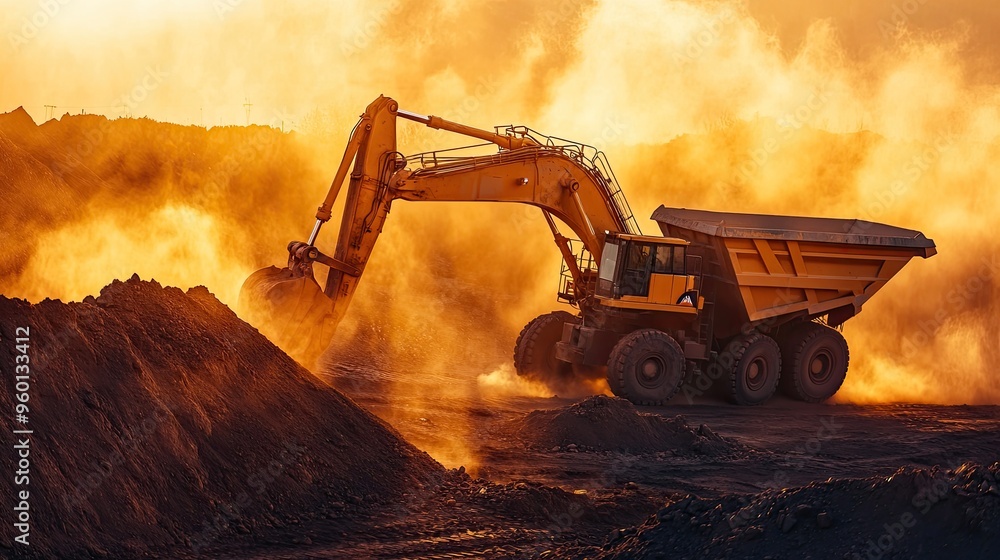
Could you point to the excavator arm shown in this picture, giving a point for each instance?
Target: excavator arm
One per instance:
(560, 179)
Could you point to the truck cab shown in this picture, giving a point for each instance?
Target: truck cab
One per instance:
(642, 282)
(646, 273)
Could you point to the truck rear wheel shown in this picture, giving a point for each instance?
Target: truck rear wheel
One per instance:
(816, 361)
(646, 367)
(535, 350)
(756, 368)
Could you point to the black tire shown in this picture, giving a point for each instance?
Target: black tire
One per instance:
(756, 369)
(816, 360)
(535, 350)
(614, 382)
(646, 367)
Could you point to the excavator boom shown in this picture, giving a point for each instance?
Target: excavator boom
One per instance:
(761, 291)
(561, 178)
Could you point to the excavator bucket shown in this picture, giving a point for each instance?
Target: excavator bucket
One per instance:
(290, 310)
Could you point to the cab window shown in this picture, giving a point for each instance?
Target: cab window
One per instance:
(638, 256)
(608, 261)
(664, 260)
(669, 260)
(679, 260)
(635, 276)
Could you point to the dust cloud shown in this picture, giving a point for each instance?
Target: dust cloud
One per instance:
(697, 104)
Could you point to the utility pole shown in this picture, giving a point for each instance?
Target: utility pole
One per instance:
(247, 106)
(49, 111)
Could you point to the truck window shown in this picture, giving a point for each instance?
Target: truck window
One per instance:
(638, 257)
(679, 260)
(664, 260)
(635, 277)
(609, 260)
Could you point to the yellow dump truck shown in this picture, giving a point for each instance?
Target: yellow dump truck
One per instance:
(753, 300)
(750, 299)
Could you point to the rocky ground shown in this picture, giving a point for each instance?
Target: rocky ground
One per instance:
(784, 480)
(166, 427)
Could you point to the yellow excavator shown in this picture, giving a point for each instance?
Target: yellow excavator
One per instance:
(751, 300)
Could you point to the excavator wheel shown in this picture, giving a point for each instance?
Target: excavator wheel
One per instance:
(755, 370)
(816, 358)
(646, 367)
(535, 350)
(614, 383)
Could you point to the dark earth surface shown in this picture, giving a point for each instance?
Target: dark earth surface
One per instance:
(866, 469)
(166, 427)
(523, 477)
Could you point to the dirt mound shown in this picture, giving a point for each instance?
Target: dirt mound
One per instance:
(915, 513)
(163, 422)
(602, 423)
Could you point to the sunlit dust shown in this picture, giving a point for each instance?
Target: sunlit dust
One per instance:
(177, 245)
(697, 104)
(504, 381)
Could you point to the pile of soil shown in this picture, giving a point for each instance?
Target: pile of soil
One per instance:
(163, 422)
(915, 513)
(602, 423)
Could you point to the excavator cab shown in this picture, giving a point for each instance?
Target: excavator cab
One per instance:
(646, 273)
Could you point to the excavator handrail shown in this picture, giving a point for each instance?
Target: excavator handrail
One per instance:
(422, 158)
(598, 164)
(610, 190)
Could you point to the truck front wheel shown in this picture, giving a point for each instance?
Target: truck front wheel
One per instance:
(816, 360)
(535, 350)
(646, 367)
(756, 367)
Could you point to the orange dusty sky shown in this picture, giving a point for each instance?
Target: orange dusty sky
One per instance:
(199, 61)
(918, 77)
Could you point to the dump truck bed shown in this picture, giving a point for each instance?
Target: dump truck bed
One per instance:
(760, 267)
